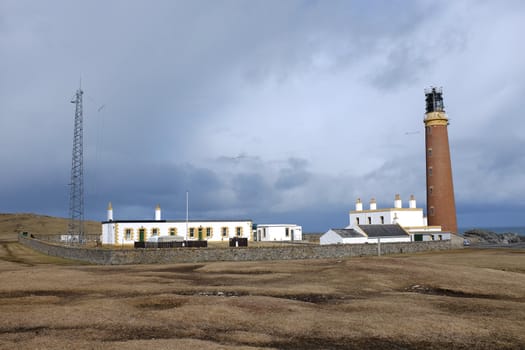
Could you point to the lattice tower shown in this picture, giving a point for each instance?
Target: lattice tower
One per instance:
(76, 192)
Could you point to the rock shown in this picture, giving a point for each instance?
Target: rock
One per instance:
(485, 236)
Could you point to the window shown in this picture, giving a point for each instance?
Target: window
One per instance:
(382, 219)
(430, 189)
(287, 232)
(173, 231)
(440, 237)
(224, 231)
(429, 171)
(208, 231)
(264, 232)
(431, 211)
(154, 231)
(238, 230)
(429, 130)
(192, 232)
(429, 152)
(128, 234)
(369, 220)
(357, 220)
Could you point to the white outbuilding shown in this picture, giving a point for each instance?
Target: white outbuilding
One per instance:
(278, 232)
(342, 236)
(366, 234)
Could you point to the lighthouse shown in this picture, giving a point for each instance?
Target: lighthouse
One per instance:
(441, 207)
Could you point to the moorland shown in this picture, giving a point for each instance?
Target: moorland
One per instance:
(459, 299)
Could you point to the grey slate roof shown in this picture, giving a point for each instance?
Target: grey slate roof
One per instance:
(383, 230)
(347, 232)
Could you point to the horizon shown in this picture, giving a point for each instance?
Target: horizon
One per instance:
(498, 229)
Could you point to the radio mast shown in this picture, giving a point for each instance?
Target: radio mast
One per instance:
(76, 190)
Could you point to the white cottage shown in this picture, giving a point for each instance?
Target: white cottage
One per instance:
(279, 232)
(126, 232)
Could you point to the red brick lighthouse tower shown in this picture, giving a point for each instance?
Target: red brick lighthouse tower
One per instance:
(441, 206)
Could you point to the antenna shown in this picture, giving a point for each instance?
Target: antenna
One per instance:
(187, 216)
(76, 190)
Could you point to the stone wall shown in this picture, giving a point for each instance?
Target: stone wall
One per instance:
(183, 255)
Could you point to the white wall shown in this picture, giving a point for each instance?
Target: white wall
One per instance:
(389, 239)
(330, 237)
(405, 217)
(277, 232)
(420, 229)
(107, 233)
(115, 232)
(441, 236)
(355, 240)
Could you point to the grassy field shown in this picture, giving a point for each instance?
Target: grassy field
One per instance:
(12, 224)
(468, 299)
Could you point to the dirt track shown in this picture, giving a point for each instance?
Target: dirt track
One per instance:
(465, 299)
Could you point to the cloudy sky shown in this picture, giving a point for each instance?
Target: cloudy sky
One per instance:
(278, 111)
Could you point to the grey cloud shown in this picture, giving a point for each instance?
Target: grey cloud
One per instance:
(294, 175)
(403, 67)
(252, 190)
(264, 109)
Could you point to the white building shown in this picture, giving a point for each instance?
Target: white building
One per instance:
(279, 232)
(410, 217)
(126, 232)
(342, 236)
(366, 234)
(365, 225)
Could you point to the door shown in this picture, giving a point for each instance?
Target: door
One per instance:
(141, 235)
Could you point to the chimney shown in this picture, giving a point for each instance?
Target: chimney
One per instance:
(397, 202)
(358, 205)
(373, 204)
(110, 212)
(412, 201)
(157, 212)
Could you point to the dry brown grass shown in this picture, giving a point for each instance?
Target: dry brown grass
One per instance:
(471, 299)
(12, 224)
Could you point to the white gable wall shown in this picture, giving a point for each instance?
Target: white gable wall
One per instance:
(330, 237)
(108, 236)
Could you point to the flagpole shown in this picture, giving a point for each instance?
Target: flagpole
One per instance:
(187, 204)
